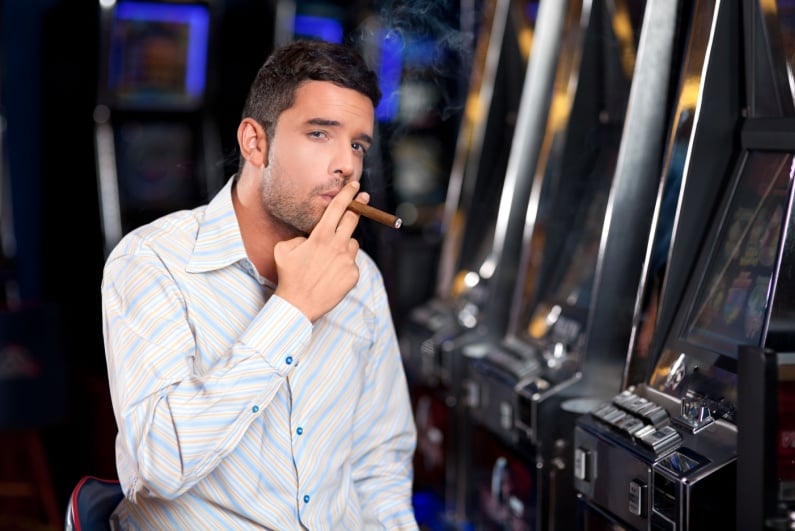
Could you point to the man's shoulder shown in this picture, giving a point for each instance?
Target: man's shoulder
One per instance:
(172, 233)
(371, 279)
(367, 264)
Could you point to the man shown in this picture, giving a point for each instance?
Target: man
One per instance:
(253, 365)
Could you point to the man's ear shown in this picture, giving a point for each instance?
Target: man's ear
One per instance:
(253, 142)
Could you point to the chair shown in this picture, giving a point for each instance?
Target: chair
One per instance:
(92, 502)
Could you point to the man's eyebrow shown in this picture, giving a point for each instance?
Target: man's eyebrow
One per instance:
(334, 123)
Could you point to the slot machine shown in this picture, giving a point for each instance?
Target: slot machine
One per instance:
(663, 453)
(585, 235)
(496, 85)
(157, 147)
(475, 180)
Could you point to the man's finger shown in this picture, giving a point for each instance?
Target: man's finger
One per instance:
(350, 219)
(335, 211)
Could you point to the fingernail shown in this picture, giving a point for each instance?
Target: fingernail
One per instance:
(355, 184)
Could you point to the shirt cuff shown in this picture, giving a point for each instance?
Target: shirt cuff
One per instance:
(280, 333)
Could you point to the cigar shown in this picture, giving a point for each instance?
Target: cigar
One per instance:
(375, 214)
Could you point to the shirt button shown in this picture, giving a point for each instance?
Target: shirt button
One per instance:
(306, 498)
(288, 360)
(255, 409)
(299, 431)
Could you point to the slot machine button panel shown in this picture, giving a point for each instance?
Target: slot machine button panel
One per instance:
(605, 412)
(656, 416)
(661, 440)
(641, 420)
(650, 412)
(629, 425)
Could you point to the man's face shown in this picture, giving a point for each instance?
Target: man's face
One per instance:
(319, 145)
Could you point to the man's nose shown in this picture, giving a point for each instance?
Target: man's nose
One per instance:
(344, 162)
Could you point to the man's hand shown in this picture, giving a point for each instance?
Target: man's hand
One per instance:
(316, 272)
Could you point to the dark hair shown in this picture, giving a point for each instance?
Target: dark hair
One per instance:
(293, 64)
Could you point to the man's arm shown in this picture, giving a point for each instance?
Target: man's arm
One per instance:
(385, 434)
(177, 422)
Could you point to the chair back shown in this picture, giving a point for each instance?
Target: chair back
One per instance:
(91, 504)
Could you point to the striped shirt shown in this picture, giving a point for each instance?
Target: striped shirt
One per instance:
(235, 411)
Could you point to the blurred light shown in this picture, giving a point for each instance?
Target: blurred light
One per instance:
(471, 279)
(389, 75)
(322, 28)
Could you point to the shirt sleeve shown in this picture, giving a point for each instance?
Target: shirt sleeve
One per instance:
(384, 431)
(176, 425)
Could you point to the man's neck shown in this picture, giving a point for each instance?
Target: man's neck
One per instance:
(258, 234)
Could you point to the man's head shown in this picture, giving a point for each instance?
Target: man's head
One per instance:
(306, 128)
(293, 64)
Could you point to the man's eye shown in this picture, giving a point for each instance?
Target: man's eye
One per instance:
(360, 147)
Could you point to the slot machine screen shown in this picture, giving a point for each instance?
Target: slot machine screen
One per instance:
(557, 306)
(157, 55)
(728, 296)
(730, 305)
(155, 169)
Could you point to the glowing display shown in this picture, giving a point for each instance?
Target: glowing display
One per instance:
(158, 54)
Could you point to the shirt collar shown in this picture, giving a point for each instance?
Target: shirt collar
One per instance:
(218, 241)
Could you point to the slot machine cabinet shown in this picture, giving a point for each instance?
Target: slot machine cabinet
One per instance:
(484, 128)
(500, 487)
(569, 329)
(663, 453)
(157, 147)
(784, 468)
(477, 177)
(651, 310)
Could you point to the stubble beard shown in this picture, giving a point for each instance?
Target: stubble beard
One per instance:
(289, 214)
